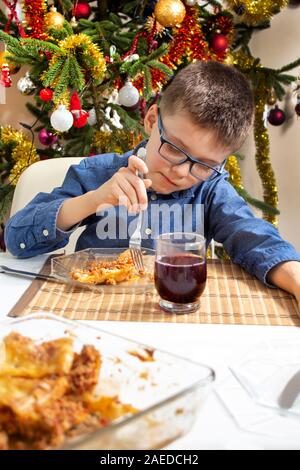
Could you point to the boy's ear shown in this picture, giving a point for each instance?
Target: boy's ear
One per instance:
(151, 118)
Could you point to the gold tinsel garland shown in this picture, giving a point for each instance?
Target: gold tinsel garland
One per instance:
(69, 46)
(263, 163)
(256, 11)
(261, 135)
(108, 142)
(233, 168)
(91, 50)
(24, 153)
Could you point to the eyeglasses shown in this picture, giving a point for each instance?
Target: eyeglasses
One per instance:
(177, 156)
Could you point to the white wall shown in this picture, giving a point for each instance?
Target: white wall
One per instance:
(278, 46)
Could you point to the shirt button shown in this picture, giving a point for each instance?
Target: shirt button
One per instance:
(148, 231)
(45, 233)
(22, 246)
(153, 197)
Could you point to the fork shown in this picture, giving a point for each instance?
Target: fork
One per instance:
(18, 272)
(135, 242)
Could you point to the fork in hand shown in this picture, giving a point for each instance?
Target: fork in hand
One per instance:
(135, 241)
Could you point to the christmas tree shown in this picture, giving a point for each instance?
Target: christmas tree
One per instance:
(95, 68)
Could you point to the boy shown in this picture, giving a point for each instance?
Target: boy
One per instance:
(205, 115)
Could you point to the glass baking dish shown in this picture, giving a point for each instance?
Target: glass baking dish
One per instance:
(61, 267)
(168, 392)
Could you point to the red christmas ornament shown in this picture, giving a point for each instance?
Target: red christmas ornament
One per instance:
(80, 116)
(219, 43)
(276, 116)
(82, 10)
(46, 94)
(5, 79)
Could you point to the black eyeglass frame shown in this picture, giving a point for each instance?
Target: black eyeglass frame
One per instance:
(217, 169)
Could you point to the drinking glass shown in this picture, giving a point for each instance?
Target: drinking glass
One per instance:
(180, 271)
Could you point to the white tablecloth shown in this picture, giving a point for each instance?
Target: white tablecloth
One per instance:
(215, 345)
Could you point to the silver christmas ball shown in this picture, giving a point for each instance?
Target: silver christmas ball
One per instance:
(25, 85)
(129, 95)
(190, 3)
(57, 147)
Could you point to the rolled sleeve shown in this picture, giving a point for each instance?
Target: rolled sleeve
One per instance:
(270, 258)
(33, 230)
(39, 236)
(46, 228)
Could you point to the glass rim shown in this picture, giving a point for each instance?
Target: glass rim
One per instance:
(178, 243)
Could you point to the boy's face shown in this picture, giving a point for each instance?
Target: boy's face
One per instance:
(180, 130)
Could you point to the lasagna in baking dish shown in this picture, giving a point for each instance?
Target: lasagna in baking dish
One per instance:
(107, 272)
(47, 393)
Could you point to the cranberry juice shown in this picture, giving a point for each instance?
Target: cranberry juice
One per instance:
(180, 278)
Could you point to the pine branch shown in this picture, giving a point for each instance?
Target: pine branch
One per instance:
(63, 81)
(43, 45)
(160, 66)
(9, 40)
(53, 72)
(147, 82)
(264, 207)
(158, 52)
(290, 66)
(76, 75)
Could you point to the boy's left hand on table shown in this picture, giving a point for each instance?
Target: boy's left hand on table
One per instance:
(286, 275)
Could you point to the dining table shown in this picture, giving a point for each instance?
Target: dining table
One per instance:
(217, 345)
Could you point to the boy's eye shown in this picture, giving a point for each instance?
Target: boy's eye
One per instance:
(204, 169)
(172, 150)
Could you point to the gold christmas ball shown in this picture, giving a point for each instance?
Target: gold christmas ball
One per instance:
(169, 13)
(54, 19)
(4, 59)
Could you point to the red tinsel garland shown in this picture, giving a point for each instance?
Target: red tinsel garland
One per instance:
(35, 11)
(188, 41)
(13, 16)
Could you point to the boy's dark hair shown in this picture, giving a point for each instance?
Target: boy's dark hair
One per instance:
(216, 96)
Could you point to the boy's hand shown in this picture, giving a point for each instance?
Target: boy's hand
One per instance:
(125, 188)
(286, 275)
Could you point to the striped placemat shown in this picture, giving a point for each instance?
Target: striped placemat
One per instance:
(231, 296)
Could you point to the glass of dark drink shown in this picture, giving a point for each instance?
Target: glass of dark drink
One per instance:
(180, 271)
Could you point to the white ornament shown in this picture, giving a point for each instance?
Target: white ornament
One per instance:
(112, 52)
(132, 58)
(129, 95)
(266, 114)
(92, 119)
(62, 119)
(190, 3)
(112, 115)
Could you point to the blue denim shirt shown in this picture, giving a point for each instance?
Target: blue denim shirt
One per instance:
(251, 242)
